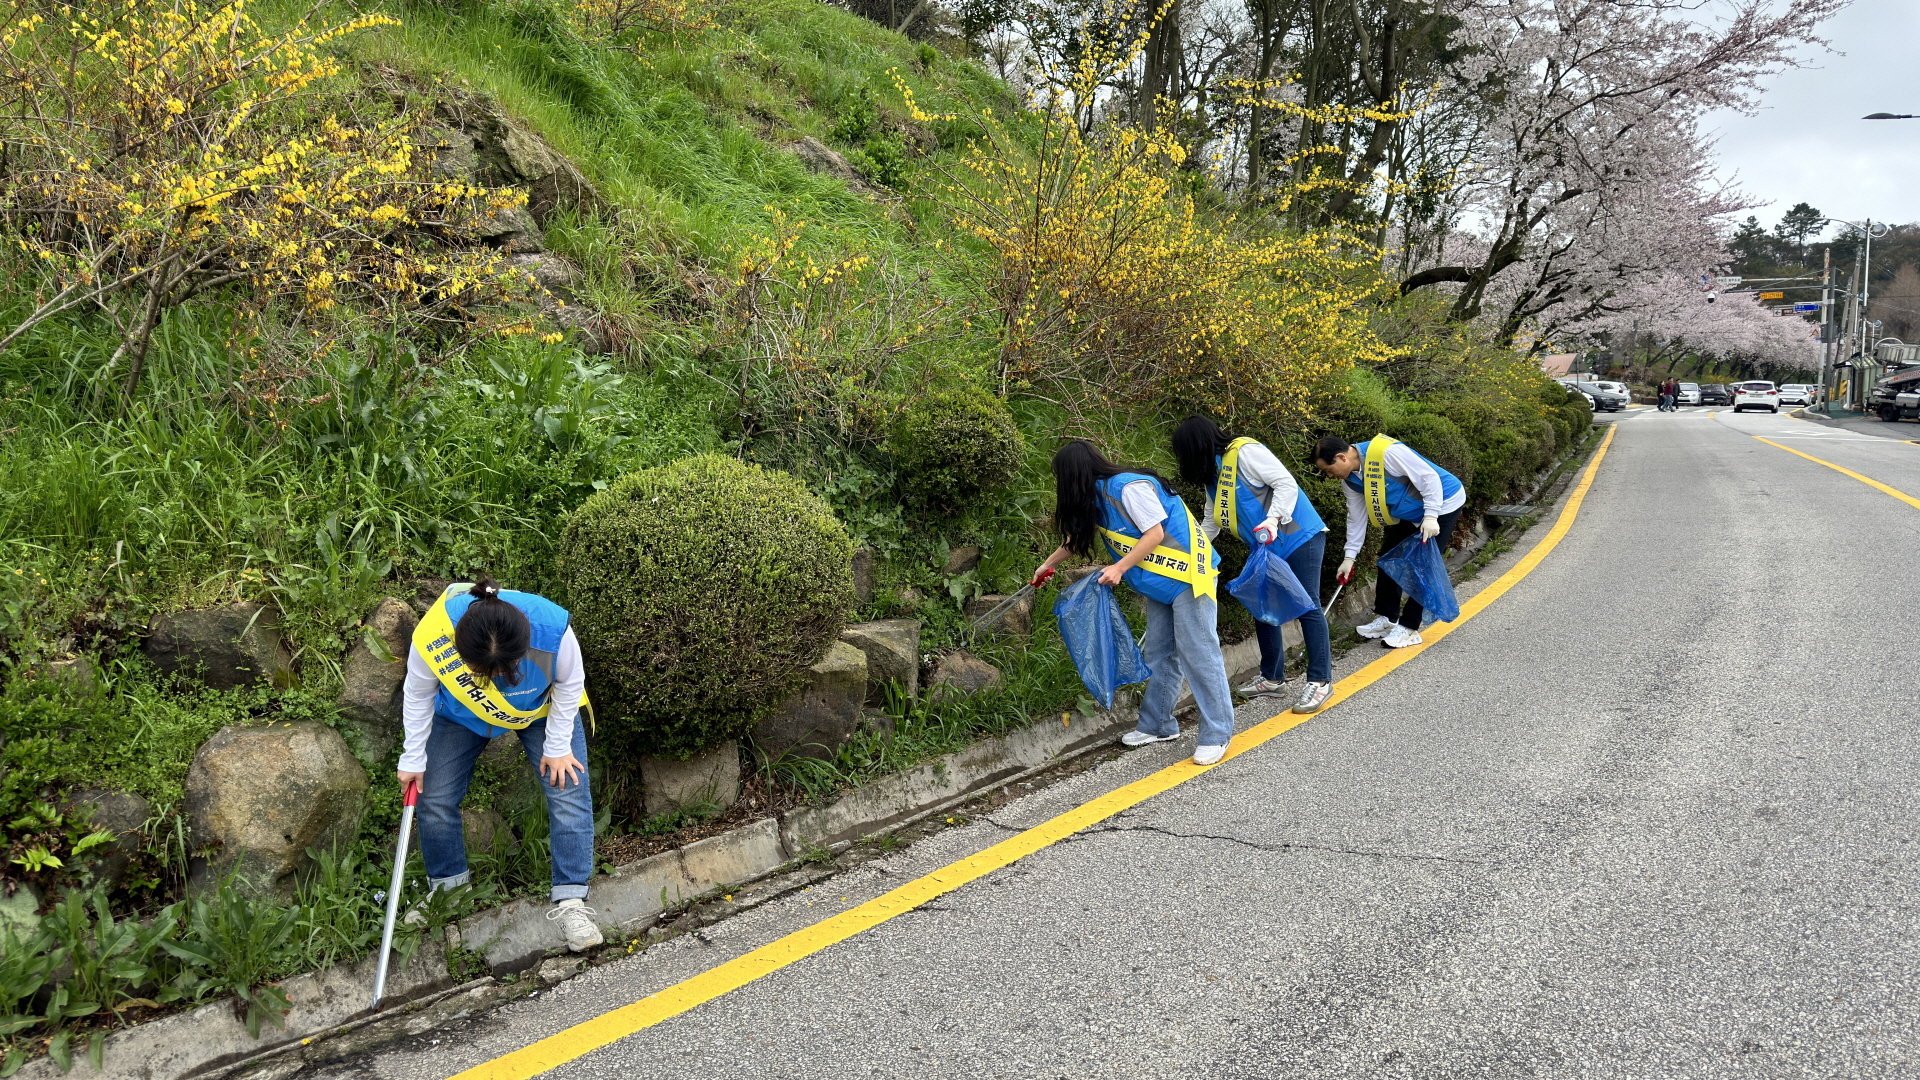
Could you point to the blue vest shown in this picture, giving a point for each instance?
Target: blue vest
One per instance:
(549, 622)
(1403, 499)
(1306, 523)
(1145, 582)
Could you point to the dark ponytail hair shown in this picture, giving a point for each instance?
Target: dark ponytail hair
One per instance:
(492, 635)
(1078, 468)
(1196, 442)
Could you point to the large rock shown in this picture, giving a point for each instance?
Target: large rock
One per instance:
(266, 793)
(892, 648)
(121, 814)
(712, 778)
(960, 673)
(223, 647)
(963, 558)
(1017, 620)
(516, 779)
(823, 713)
(864, 579)
(820, 158)
(371, 684)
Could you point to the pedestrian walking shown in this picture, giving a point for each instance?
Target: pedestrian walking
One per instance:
(1161, 552)
(1669, 394)
(1257, 499)
(486, 661)
(1389, 484)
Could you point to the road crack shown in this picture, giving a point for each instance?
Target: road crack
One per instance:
(1289, 845)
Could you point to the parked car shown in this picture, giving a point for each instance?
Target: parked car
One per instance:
(1715, 394)
(1689, 394)
(1616, 388)
(1796, 394)
(1756, 395)
(1602, 400)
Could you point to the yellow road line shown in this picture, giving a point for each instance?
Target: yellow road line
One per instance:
(1867, 480)
(583, 1038)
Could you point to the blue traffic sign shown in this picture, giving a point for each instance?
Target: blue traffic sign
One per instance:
(1807, 305)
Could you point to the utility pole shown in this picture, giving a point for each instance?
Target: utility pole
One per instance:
(1854, 328)
(1826, 332)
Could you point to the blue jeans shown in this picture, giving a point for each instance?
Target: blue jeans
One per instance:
(1305, 563)
(1183, 642)
(452, 748)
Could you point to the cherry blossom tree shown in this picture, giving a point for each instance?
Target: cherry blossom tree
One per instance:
(1587, 174)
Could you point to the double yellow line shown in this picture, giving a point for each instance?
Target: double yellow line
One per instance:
(583, 1038)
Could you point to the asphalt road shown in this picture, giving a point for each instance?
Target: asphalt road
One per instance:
(1651, 814)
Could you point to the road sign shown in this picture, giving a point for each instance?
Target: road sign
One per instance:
(1807, 305)
(1773, 296)
(1726, 282)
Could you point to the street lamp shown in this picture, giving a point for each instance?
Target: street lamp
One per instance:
(1891, 116)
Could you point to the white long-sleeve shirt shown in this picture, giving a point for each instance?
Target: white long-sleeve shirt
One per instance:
(416, 709)
(1411, 467)
(1272, 484)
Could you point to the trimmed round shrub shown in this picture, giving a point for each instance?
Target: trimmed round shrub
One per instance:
(953, 446)
(1437, 440)
(700, 591)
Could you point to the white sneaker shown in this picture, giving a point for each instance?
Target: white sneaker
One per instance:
(1375, 630)
(1207, 755)
(1401, 637)
(576, 921)
(1263, 685)
(1141, 738)
(1314, 697)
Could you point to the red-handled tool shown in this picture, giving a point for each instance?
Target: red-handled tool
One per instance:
(407, 799)
(1039, 581)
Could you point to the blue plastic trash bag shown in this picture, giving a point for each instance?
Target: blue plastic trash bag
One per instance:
(1269, 589)
(1099, 639)
(1421, 570)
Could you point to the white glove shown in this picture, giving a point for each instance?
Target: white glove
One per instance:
(1345, 573)
(1429, 528)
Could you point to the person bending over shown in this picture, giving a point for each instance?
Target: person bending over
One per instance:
(1257, 499)
(1390, 485)
(1162, 554)
(486, 661)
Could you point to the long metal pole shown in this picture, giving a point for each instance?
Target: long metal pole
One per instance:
(407, 801)
(1826, 332)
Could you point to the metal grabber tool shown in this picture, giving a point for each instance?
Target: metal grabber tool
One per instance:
(407, 800)
(1007, 605)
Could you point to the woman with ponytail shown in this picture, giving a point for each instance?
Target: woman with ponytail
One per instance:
(1250, 491)
(487, 661)
(1161, 553)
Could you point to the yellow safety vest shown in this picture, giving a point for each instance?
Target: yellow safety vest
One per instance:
(1196, 569)
(1226, 508)
(433, 640)
(1373, 481)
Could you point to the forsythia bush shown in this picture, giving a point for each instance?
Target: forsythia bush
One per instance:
(1115, 287)
(159, 149)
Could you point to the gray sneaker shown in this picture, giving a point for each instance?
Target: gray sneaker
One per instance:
(1314, 697)
(1264, 685)
(1142, 738)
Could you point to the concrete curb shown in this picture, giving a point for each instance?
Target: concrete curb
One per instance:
(214, 1035)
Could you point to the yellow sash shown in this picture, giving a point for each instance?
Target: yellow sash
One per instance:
(1373, 481)
(433, 640)
(1195, 569)
(1226, 508)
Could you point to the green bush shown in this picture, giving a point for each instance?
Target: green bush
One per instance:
(953, 446)
(1437, 440)
(699, 590)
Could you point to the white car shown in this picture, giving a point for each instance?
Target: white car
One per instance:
(1614, 388)
(1689, 394)
(1756, 395)
(1796, 394)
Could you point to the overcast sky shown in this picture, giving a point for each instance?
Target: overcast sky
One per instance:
(1808, 143)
